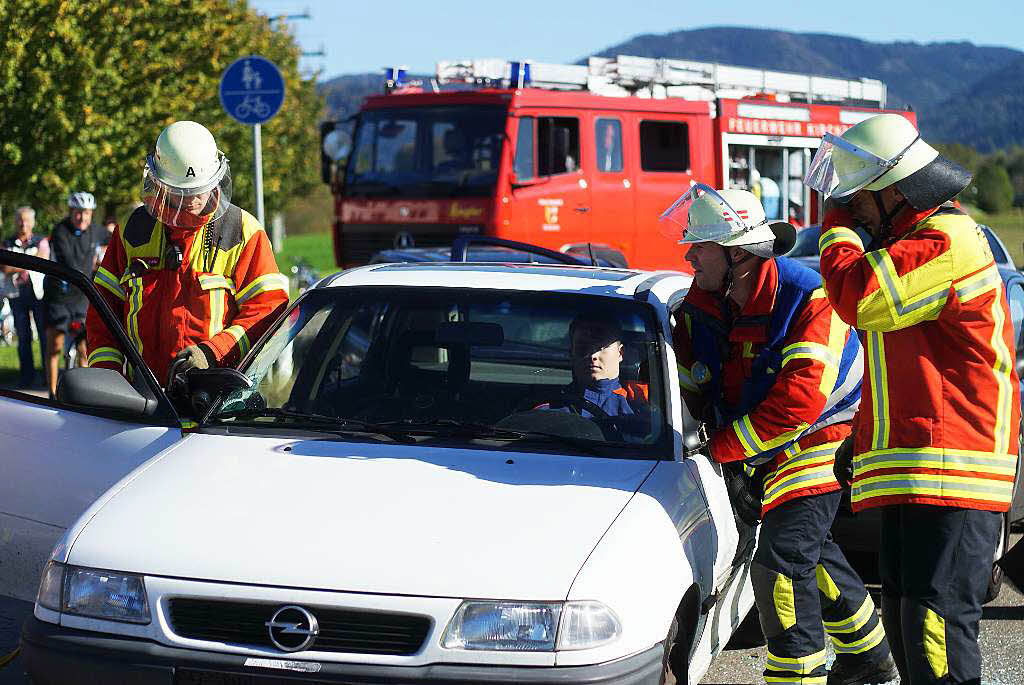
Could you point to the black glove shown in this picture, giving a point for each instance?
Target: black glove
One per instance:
(843, 467)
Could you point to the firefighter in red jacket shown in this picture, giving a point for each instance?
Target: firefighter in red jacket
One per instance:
(936, 438)
(192, 276)
(768, 366)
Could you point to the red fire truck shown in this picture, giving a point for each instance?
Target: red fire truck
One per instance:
(579, 157)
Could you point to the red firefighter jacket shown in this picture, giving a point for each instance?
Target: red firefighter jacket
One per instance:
(813, 345)
(938, 422)
(224, 295)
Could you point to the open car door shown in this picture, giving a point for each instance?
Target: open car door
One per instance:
(59, 455)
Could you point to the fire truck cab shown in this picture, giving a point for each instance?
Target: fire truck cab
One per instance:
(569, 155)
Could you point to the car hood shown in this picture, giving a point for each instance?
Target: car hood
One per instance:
(381, 518)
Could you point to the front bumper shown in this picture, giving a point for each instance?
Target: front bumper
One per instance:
(55, 655)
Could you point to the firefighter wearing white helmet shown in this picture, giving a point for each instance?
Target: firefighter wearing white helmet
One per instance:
(936, 442)
(775, 375)
(192, 275)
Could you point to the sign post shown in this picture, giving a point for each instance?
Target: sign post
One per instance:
(252, 91)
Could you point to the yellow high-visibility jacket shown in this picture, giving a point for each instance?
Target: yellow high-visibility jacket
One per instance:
(940, 410)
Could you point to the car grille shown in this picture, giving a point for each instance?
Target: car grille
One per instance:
(341, 630)
(361, 241)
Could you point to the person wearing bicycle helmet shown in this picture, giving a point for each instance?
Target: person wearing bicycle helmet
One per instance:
(775, 376)
(936, 444)
(192, 276)
(73, 244)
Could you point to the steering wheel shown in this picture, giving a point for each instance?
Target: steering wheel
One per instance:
(577, 402)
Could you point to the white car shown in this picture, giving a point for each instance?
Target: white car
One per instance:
(402, 483)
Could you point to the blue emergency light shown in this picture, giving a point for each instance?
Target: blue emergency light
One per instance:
(394, 77)
(520, 76)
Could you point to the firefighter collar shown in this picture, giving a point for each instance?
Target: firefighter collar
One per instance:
(751, 323)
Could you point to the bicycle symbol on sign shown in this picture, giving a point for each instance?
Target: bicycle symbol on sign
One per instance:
(252, 105)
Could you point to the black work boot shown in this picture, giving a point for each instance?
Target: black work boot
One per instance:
(856, 672)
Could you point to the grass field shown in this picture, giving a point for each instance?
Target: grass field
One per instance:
(1009, 226)
(315, 248)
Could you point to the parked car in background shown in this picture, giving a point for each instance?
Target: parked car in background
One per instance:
(858, 534)
(426, 496)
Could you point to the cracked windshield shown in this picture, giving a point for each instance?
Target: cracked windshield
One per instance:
(548, 370)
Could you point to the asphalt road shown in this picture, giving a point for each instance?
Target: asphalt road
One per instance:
(1002, 644)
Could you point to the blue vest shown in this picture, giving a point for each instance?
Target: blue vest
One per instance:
(710, 339)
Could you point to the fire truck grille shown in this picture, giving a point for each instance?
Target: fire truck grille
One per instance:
(362, 241)
(349, 631)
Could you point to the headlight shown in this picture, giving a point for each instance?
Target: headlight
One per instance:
(93, 593)
(530, 626)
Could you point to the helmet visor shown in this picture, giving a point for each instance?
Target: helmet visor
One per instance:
(839, 168)
(702, 215)
(186, 207)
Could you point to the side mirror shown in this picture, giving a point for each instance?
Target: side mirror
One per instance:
(103, 389)
(206, 385)
(517, 182)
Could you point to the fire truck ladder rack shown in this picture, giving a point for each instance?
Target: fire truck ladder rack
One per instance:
(661, 78)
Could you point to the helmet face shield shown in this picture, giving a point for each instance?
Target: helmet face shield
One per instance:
(700, 215)
(186, 207)
(839, 168)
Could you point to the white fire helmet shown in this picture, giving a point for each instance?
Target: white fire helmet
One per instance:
(731, 218)
(186, 181)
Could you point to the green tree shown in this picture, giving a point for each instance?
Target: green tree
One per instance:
(995, 193)
(85, 88)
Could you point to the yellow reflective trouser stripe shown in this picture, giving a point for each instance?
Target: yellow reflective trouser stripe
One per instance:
(826, 585)
(799, 665)
(106, 354)
(785, 605)
(855, 622)
(1004, 377)
(238, 333)
(935, 643)
(264, 283)
(686, 379)
(134, 306)
(866, 643)
(107, 280)
(217, 305)
(879, 390)
(794, 680)
(839, 234)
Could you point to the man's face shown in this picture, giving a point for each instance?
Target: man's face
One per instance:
(80, 218)
(709, 265)
(596, 351)
(865, 210)
(193, 204)
(609, 136)
(24, 223)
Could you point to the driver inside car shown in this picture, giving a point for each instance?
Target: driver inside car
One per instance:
(596, 352)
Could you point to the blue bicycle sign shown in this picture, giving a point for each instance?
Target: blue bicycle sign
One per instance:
(252, 89)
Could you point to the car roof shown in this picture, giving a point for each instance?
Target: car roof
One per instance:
(522, 277)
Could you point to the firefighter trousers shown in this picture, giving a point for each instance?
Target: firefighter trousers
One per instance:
(802, 580)
(936, 563)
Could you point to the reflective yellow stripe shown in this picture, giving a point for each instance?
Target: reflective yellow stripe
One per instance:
(262, 284)
(826, 585)
(879, 390)
(752, 444)
(935, 643)
(795, 680)
(936, 458)
(809, 350)
(800, 665)
(866, 643)
(241, 339)
(106, 354)
(217, 306)
(213, 281)
(902, 301)
(785, 605)
(855, 622)
(980, 283)
(804, 470)
(107, 280)
(839, 234)
(686, 379)
(134, 305)
(1003, 372)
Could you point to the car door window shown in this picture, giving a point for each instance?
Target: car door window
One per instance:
(558, 145)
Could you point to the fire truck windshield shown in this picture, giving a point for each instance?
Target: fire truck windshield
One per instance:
(426, 151)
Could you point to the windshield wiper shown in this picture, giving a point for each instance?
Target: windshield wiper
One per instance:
(332, 424)
(473, 430)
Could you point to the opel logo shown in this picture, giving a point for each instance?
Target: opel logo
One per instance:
(292, 629)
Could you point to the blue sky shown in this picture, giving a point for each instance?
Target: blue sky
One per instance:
(366, 36)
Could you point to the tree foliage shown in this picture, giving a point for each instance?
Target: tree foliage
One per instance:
(995, 193)
(86, 87)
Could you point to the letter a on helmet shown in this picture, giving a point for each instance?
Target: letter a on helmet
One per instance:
(879, 152)
(186, 181)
